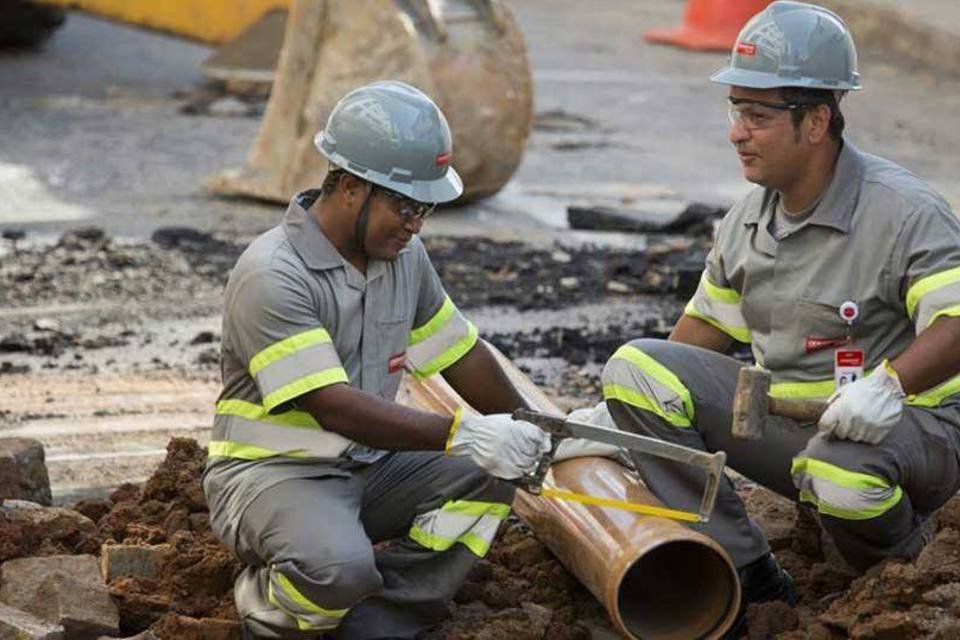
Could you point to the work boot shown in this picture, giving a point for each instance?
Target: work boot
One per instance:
(763, 580)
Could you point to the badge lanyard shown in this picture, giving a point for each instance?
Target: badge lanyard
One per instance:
(847, 361)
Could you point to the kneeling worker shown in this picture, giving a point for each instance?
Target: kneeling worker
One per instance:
(842, 271)
(312, 462)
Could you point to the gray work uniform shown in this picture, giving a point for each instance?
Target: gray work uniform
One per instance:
(303, 506)
(880, 238)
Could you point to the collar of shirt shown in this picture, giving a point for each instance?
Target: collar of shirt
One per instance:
(313, 247)
(839, 200)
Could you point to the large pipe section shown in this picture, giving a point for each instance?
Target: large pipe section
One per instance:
(657, 579)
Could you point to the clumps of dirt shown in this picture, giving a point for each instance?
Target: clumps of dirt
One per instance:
(520, 591)
(895, 599)
(87, 265)
(577, 345)
(195, 576)
(482, 272)
(28, 530)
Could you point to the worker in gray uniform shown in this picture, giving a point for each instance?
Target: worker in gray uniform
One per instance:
(312, 462)
(842, 272)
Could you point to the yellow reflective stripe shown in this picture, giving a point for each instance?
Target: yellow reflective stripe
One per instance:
(253, 411)
(933, 397)
(457, 416)
(451, 355)
(299, 387)
(931, 283)
(640, 401)
(228, 449)
(740, 334)
(658, 372)
(434, 324)
(287, 346)
(474, 508)
(291, 592)
(431, 541)
(837, 475)
(850, 514)
(948, 312)
(803, 390)
(720, 294)
(475, 543)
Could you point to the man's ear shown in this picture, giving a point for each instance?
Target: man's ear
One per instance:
(351, 187)
(818, 119)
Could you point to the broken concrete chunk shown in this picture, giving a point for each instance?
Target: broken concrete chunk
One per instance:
(84, 613)
(16, 624)
(64, 590)
(133, 561)
(28, 529)
(23, 474)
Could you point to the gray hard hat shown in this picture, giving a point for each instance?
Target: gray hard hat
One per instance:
(393, 135)
(793, 44)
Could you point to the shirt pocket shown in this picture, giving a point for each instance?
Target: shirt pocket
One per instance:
(393, 334)
(818, 332)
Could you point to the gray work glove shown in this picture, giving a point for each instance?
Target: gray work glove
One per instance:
(865, 410)
(504, 447)
(580, 448)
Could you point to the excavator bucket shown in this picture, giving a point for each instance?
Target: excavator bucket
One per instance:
(468, 55)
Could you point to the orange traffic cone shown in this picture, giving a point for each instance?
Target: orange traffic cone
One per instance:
(709, 25)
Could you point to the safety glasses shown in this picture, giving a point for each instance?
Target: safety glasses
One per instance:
(407, 209)
(757, 114)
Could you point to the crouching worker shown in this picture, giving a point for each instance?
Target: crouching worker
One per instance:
(312, 462)
(842, 271)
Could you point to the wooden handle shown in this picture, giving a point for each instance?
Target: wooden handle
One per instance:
(806, 411)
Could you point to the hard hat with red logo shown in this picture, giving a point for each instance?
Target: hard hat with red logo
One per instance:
(393, 135)
(793, 44)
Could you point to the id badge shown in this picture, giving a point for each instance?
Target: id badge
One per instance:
(847, 366)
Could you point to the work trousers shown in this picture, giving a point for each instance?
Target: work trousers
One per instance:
(872, 499)
(312, 564)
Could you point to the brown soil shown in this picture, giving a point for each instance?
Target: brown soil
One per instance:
(520, 591)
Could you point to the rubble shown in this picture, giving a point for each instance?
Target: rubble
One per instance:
(20, 625)
(23, 474)
(67, 591)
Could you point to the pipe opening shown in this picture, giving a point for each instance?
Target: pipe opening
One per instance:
(678, 591)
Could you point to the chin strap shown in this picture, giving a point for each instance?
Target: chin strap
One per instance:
(360, 230)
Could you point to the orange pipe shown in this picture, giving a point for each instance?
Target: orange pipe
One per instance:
(657, 579)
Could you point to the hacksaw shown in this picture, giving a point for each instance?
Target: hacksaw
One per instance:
(560, 428)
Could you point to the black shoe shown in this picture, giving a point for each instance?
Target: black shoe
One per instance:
(763, 580)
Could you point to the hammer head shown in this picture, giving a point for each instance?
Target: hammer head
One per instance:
(751, 403)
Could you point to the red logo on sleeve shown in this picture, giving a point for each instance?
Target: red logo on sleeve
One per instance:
(396, 362)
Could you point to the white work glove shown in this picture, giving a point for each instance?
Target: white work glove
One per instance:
(865, 410)
(581, 448)
(505, 447)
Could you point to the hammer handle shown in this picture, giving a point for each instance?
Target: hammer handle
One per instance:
(805, 411)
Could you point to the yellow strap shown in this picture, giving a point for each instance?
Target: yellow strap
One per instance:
(457, 416)
(645, 509)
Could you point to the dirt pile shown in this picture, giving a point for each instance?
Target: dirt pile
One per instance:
(895, 599)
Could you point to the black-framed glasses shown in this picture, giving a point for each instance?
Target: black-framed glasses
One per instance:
(758, 114)
(408, 209)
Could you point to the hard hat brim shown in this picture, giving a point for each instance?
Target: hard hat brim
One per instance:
(765, 80)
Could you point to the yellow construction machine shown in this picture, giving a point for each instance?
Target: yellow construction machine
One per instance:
(468, 55)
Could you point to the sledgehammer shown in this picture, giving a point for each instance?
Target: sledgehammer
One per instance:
(752, 404)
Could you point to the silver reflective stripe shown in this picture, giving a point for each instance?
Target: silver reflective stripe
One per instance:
(473, 524)
(648, 393)
(295, 366)
(936, 300)
(720, 307)
(429, 354)
(309, 615)
(843, 494)
(252, 439)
